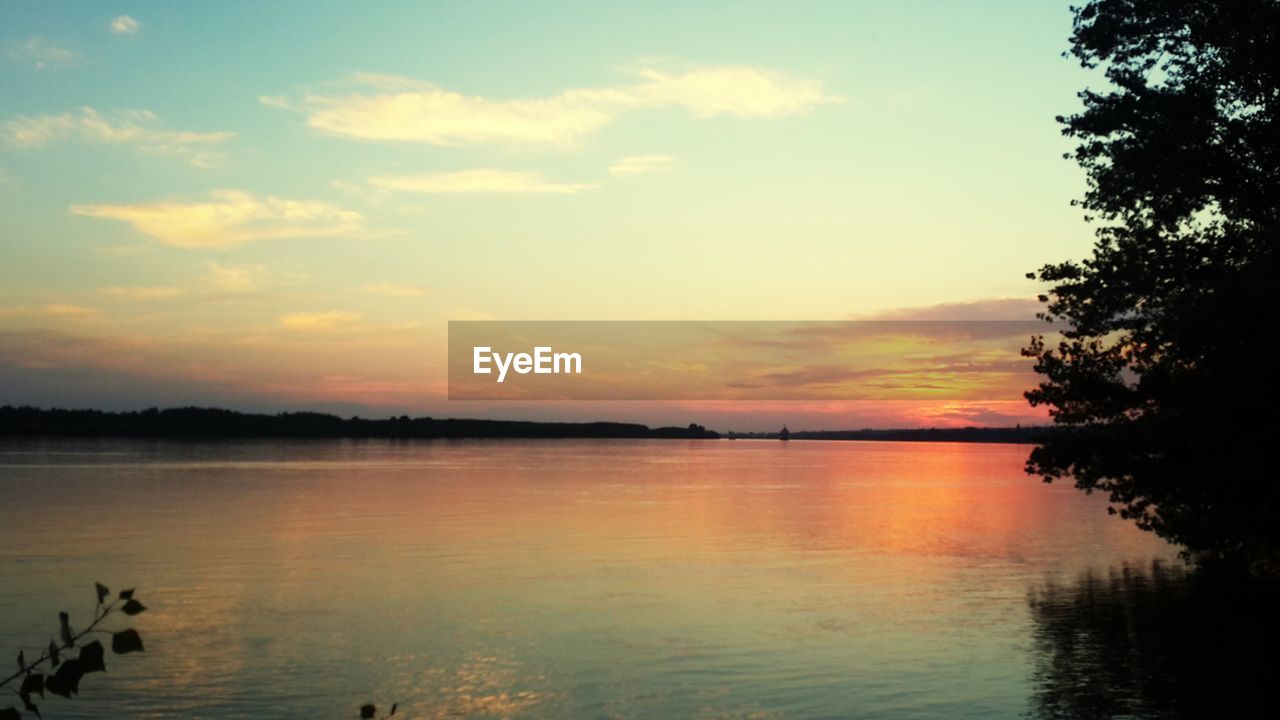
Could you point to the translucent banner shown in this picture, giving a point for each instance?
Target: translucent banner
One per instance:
(740, 360)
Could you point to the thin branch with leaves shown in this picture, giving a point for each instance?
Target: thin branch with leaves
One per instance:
(33, 679)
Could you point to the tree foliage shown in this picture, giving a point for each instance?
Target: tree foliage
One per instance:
(60, 667)
(1161, 379)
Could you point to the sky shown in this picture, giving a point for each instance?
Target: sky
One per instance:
(275, 206)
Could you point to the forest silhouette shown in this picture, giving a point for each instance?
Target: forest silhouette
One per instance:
(194, 422)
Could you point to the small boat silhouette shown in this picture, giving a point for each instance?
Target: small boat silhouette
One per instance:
(785, 435)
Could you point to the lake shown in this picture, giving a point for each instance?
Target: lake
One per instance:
(598, 579)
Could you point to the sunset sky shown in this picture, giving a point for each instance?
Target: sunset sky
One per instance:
(275, 206)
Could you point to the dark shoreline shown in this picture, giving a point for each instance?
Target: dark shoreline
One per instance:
(192, 422)
(213, 423)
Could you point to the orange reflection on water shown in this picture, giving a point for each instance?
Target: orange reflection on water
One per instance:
(558, 578)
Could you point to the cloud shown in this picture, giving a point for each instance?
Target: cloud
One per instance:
(391, 290)
(41, 53)
(988, 414)
(143, 294)
(234, 278)
(231, 218)
(740, 91)
(319, 321)
(642, 165)
(51, 310)
(384, 107)
(124, 25)
(63, 310)
(138, 128)
(985, 309)
(475, 181)
(462, 312)
(276, 101)
(47, 348)
(403, 109)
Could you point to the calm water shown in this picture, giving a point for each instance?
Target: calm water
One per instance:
(600, 579)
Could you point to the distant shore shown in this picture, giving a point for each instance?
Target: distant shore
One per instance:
(194, 422)
(214, 423)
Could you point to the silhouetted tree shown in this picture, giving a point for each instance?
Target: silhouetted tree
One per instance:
(1163, 381)
(67, 658)
(59, 668)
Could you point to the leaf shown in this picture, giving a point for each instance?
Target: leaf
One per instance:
(393, 709)
(367, 711)
(22, 662)
(66, 681)
(126, 594)
(102, 591)
(10, 714)
(126, 641)
(68, 638)
(53, 653)
(33, 683)
(91, 657)
(31, 707)
(133, 607)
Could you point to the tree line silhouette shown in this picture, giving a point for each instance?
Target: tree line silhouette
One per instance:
(194, 422)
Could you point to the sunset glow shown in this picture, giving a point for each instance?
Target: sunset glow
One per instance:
(292, 225)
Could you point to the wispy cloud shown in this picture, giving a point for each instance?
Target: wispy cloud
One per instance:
(383, 107)
(139, 128)
(234, 278)
(41, 53)
(276, 101)
(65, 310)
(393, 290)
(230, 218)
(333, 320)
(58, 310)
(740, 91)
(475, 181)
(990, 414)
(143, 293)
(124, 25)
(1023, 308)
(46, 348)
(642, 165)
